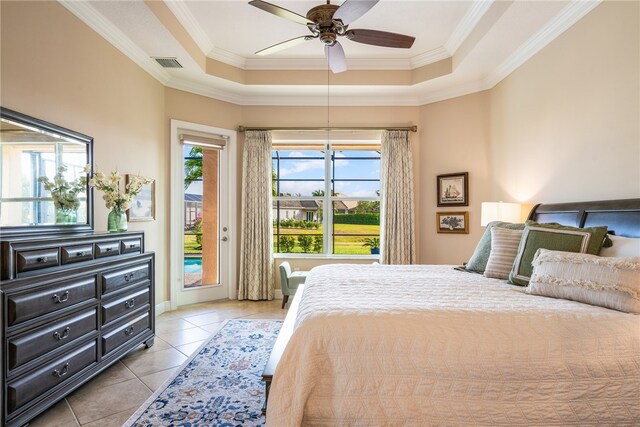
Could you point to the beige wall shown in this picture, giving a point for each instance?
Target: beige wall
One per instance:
(57, 69)
(564, 126)
(454, 137)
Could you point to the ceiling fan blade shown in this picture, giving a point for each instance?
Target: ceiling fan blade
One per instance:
(381, 38)
(280, 11)
(353, 9)
(335, 57)
(283, 45)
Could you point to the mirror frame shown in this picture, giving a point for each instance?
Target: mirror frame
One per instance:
(5, 231)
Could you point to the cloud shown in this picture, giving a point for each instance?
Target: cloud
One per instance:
(305, 188)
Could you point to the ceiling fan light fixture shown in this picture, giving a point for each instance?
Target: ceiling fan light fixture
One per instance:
(327, 22)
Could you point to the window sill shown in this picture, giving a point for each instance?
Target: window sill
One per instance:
(324, 256)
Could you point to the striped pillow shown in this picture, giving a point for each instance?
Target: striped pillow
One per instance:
(504, 249)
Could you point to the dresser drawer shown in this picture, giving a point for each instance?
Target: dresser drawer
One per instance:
(130, 246)
(126, 304)
(25, 389)
(121, 334)
(21, 307)
(108, 248)
(116, 279)
(46, 338)
(76, 253)
(36, 260)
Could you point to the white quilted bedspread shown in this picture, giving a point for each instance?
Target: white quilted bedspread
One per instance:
(378, 345)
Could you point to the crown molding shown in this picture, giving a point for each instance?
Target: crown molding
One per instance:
(321, 64)
(227, 57)
(467, 25)
(571, 14)
(190, 24)
(98, 23)
(303, 99)
(429, 57)
(454, 92)
(207, 90)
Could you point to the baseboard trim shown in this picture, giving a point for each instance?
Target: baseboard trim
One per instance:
(163, 306)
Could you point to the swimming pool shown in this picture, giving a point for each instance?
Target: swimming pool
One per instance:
(193, 265)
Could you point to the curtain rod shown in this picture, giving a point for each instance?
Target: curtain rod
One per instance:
(413, 128)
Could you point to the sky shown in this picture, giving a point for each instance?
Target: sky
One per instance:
(345, 168)
(298, 169)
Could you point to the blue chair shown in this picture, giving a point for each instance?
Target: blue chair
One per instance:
(289, 281)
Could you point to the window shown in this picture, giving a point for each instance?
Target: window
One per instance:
(326, 197)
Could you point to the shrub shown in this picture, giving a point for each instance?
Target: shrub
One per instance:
(317, 244)
(287, 243)
(304, 241)
(361, 218)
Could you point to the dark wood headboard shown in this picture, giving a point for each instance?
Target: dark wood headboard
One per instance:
(621, 216)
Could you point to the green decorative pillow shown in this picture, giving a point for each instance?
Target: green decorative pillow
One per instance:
(478, 261)
(554, 237)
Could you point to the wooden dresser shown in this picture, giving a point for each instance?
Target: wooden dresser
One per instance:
(71, 305)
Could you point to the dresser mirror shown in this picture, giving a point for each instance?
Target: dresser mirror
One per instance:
(43, 177)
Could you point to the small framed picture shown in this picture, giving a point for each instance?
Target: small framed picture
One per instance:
(453, 189)
(453, 222)
(143, 207)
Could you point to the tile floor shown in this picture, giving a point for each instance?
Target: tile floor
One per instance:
(113, 396)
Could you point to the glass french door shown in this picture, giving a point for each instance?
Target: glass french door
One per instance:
(203, 250)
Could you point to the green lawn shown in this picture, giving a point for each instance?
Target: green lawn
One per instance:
(347, 245)
(190, 245)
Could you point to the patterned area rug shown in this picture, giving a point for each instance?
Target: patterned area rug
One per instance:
(220, 385)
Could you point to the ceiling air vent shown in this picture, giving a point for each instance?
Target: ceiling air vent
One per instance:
(168, 62)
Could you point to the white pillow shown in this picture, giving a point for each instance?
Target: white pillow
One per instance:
(504, 249)
(591, 279)
(622, 247)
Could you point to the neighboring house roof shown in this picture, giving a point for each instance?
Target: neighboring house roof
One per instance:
(193, 198)
(299, 204)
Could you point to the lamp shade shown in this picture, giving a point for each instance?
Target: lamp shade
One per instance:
(499, 211)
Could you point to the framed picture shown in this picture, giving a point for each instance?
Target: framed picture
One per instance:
(453, 222)
(143, 207)
(453, 189)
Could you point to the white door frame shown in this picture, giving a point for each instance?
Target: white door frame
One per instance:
(176, 191)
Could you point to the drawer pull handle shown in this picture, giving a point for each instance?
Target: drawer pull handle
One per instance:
(62, 372)
(130, 303)
(108, 249)
(58, 300)
(128, 277)
(128, 331)
(64, 334)
(133, 245)
(41, 259)
(80, 253)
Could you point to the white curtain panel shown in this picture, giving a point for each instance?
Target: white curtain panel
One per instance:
(256, 243)
(397, 207)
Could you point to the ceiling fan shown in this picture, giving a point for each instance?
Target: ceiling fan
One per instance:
(327, 22)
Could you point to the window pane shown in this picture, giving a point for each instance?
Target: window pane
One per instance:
(301, 164)
(301, 188)
(297, 226)
(356, 188)
(356, 227)
(356, 169)
(201, 250)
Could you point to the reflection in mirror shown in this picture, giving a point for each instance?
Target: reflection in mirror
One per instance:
(43, 175)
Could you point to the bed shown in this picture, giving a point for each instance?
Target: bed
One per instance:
(430, 345)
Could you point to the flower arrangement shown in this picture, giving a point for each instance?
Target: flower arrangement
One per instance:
(113, 197)
(65, 193)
